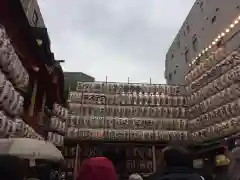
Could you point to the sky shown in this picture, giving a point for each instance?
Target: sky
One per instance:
(119, 39)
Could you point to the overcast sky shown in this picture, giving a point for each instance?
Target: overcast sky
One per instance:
(114, 38)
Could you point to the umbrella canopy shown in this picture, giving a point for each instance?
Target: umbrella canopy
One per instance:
(30, 149)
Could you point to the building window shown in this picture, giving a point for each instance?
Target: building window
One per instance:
(35, 18)
(188, 29)
(217, 9)
(201, 6)
(178, 42)
(195, 42)
(186, 56)
(172, 55)
(214, 19)
(174, 72)
(170, 76)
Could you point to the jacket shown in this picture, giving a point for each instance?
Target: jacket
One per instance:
(233, 171)
(179, 173)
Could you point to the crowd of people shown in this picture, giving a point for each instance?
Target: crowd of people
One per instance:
(178, 165)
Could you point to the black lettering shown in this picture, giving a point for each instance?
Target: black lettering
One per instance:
(85, 86)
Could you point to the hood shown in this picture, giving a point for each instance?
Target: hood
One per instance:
(235, 153)
(98, 168)
(233, 168)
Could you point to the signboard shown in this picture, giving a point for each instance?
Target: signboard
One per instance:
(138, 159)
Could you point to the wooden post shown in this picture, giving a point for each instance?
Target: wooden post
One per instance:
(154, 158)
(42, 108)
(76, 162)
(33, 98)
(105, 129)
(153, 147)
(81, 108)
(129, 89)
(69, 90)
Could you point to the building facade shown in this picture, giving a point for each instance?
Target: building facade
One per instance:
(71, 79)
(203, 24)
(33, 13)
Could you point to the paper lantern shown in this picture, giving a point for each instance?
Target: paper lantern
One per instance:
(83, 133)
(3, 122)
(137, 135)
(75, 96)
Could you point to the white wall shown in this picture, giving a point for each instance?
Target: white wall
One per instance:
(200, 23)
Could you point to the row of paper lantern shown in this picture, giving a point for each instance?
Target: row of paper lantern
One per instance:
(127, 123)
(8, 128)
(60, 111)
(225, 96)
(10, 100)
(115, 88)
(69, 151)
(217, 85)
(222, 129)
(56, 139)
(31, 133)
(214, 73)
(211, 61)
(57, 124)
(127, 99)
(219, 114)
(10, 63)
(16, 128)
(126, 135)
(129, 111)
(225, 65)
(131, 152)
(70, 163)
(143, 166)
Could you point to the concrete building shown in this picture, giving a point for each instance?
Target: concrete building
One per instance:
(33, 13)
(205, 21)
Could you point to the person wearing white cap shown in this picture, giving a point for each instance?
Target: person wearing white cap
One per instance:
(135, 177)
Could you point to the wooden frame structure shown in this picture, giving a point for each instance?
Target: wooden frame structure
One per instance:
(37, 59)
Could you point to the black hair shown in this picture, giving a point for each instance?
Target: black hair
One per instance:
(177, 156)
(115, 155)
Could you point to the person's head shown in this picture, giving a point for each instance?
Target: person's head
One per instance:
(135, 177)
(97, 168)
(12, 168)
(117, 157)
(237, 143)
(233, 168)
(176, 156)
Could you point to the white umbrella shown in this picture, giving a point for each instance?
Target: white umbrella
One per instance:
(30, 149)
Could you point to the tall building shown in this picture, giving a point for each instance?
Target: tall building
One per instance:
(71, 79)
(205, 21)
(33, 13)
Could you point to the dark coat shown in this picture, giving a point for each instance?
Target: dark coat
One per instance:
(176, 173)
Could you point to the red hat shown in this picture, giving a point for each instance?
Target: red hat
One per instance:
(98, 168)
